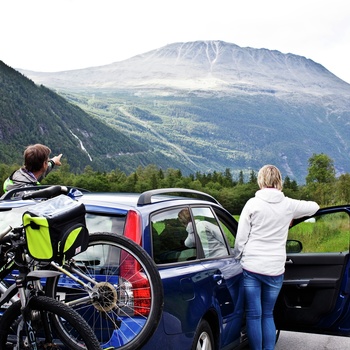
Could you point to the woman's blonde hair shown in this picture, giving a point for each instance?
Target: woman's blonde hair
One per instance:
(270, 177)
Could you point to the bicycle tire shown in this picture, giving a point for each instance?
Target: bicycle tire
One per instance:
(11, 320)
(109, 314)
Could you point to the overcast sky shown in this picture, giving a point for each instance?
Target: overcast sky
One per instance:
(57, 35)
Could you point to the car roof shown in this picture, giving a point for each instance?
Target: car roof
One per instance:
(146, 200)
(123, 202)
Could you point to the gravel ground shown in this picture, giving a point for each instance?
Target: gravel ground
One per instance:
(299, 341)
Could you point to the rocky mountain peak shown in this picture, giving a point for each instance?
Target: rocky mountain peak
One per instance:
(204, 65)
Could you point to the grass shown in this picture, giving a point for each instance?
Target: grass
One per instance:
(329, 233)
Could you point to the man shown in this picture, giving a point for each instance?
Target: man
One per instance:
(36, 166)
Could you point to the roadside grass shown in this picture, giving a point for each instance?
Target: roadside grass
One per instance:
(329, 233)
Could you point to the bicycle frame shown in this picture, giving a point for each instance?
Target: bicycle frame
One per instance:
(24, 264)
(87, 286)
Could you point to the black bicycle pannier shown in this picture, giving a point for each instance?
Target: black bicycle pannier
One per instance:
(56, 229)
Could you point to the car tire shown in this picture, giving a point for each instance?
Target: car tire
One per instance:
(203, 338)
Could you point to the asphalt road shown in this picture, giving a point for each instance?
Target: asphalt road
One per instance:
(300, 341)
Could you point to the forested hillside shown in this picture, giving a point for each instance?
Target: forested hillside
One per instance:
(35, 114)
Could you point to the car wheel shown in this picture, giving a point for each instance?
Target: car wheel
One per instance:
(203, 338)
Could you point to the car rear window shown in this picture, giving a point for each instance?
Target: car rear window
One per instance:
(105, 223)
(12, 217)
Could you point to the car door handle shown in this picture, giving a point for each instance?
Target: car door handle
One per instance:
(218, 278)
(289, 261)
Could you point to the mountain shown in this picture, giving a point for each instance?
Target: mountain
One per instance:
(212, 105)
(35, 114)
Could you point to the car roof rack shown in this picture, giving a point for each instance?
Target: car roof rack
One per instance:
(146, 197)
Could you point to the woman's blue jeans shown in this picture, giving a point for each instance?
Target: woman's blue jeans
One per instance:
(260, 293)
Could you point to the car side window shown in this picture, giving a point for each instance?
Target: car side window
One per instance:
(209, 233)
(327, 233)
(169, 235)
(228, 225)
(230, 236)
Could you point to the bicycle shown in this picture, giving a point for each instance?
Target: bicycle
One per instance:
(114, 284)
(27, 323)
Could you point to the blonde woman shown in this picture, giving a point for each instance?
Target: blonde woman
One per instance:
(260, 245)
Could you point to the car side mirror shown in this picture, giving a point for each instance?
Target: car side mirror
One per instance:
(293, 246)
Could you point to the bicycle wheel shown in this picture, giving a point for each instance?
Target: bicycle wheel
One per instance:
(122, 298)
(13, 334)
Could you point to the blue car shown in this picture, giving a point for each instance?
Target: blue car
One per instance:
(203, 299)
(202, 282)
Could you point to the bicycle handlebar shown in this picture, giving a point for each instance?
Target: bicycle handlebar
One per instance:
(41, 191)
(48, 192)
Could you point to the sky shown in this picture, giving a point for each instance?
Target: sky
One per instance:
(58, 35)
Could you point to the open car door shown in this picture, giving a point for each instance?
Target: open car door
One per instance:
(315, 297)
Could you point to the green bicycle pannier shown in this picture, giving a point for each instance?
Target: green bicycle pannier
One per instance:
(56, 229)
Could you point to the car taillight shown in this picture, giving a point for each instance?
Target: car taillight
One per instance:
(137, 286)
(132, 227)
